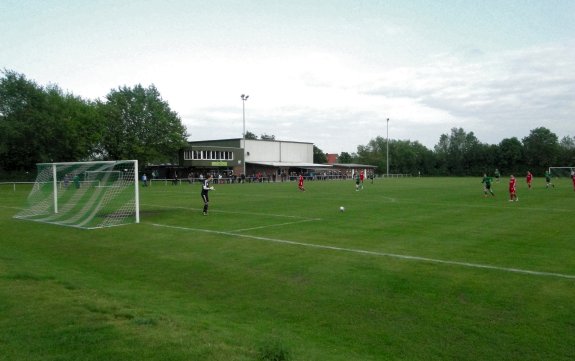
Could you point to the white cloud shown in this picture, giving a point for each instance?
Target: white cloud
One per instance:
(316, 73)
(504, 95)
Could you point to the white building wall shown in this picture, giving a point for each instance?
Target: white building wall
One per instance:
(278, 151)
(296, 152)
(262, 151)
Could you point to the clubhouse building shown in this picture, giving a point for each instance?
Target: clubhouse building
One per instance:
(266, 160)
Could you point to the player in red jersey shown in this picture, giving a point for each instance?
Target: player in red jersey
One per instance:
(300, 183)
(512, 190)
(529, 179)
(573, 178)
(361, 177)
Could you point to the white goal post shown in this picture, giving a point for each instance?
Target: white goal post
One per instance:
(85, 194)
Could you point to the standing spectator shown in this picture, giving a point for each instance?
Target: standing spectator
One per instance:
(67, 180)
(76, 181)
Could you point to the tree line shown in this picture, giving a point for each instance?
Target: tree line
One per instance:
(461, 154)
(40, 124)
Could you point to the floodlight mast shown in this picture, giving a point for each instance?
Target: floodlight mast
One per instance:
(244, 98)
(387, 148)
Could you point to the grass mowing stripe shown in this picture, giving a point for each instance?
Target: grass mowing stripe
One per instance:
(232, 212)
(373, 253)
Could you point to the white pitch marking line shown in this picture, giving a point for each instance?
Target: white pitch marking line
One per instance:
(373, 253)
(274, 225)
(8, 207)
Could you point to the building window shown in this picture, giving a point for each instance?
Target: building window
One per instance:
(208, 155)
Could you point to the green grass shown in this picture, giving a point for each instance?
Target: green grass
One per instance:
(278, 274)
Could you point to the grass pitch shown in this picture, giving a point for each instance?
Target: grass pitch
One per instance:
(414, 269)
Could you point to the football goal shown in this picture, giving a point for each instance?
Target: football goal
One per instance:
(85, 194)
(561, 172)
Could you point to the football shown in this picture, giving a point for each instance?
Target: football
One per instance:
(341, 209)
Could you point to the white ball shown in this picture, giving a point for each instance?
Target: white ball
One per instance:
(341, 209)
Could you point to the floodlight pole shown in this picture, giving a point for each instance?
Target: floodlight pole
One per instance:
(244, 98)
(387, 146)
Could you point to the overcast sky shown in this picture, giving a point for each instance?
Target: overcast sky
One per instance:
(328, 72)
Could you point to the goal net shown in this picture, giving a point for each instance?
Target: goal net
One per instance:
(561, 172)
(85, 194)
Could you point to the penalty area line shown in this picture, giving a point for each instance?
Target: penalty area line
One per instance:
(373, 253)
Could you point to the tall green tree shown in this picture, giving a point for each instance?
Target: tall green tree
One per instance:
(461, 153)
(479, 158)
(460, 144)
(451, 149)
(441, 151)
(373, 154)
(541, 148)
(319, 156)
(345, 158)
(567, 152)
(22, 104)
(250, 135)
(422, 160)
(405, 156)
(139, 124)
(43, 124)
(75, 130)
(510, 158)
